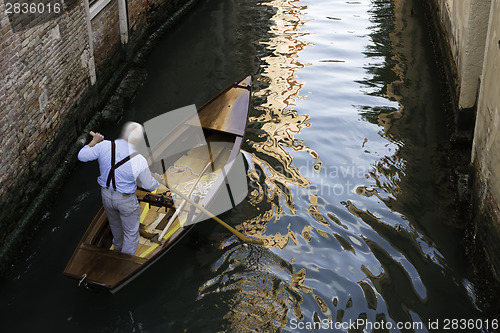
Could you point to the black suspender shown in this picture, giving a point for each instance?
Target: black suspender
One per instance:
(111, 175)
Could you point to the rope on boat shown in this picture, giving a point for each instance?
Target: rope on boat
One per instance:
(204, 184)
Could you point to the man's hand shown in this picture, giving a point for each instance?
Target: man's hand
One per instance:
(98, 137)
(158, 177)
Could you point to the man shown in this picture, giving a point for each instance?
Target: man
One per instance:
(120, 166)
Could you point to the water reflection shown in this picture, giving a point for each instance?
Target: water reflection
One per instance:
(385, 78)
(400, 176)
(260, 293)
(276, 123)
(273, 127)
(382, 80)
(255, 287)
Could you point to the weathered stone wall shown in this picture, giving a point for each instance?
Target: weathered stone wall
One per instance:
(471, 34)
(465, 24)
(57, 71)
(106, 33)
(486, 145)
(137, 15)
(43, 76)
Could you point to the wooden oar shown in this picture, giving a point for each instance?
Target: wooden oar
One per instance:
(241, 236)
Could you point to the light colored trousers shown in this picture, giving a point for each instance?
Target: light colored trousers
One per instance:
(124, 217)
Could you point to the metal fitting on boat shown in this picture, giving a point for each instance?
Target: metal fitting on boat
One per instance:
(84, 276)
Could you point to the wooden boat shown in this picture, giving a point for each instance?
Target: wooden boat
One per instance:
(224, 120)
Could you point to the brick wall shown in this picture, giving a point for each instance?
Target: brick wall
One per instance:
(106, 34)
(137, 10)
(42, 77)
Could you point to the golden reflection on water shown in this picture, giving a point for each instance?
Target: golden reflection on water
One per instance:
(313, 210)
(278, 122)
(280, 241)
(276, 126)
(258, 297)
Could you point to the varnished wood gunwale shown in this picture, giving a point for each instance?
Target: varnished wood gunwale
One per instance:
(230, 119)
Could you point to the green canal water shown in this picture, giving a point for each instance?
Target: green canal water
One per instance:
(346, 124)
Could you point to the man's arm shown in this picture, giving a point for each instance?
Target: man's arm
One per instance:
(88, 152)
(145, 178)
(147, 181)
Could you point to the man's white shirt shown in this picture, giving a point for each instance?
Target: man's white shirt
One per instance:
(125, 175)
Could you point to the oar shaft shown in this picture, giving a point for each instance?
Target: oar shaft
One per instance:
(241, 236)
